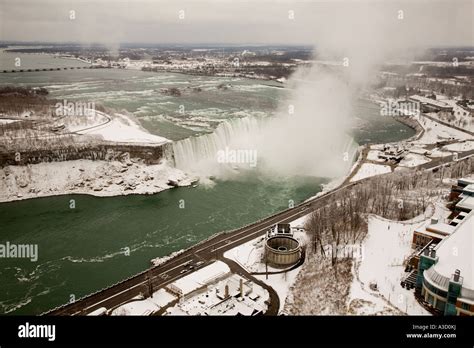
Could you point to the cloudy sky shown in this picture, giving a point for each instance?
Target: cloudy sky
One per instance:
(432, 22)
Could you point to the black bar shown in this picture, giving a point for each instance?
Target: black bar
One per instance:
(291, 331)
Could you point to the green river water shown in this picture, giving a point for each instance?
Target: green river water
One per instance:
(82, 250)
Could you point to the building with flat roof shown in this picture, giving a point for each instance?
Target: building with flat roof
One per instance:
(445, 277)
(462, 203)
(433, 231)
(428, 104)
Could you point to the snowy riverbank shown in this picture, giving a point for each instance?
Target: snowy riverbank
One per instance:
(97, 178)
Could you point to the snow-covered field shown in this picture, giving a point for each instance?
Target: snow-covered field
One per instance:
(386, 246)
(281, 283)
(370, 169)
(439, 153)
(123, 129)
(435, 132)
(373, 155)
(464, 146)
(413, 160)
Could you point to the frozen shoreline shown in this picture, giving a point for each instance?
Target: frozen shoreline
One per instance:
(95, 178)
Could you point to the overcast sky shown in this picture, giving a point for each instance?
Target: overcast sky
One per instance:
(446, 22)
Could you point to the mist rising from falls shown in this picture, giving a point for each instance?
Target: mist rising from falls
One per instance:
(308, 136)
(199, 155)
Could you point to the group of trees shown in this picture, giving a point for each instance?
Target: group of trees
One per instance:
(16, 100)
(417, 83)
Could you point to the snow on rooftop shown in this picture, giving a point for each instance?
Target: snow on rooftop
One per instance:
(201, 277)
(162, 297)
(430, 101)
(467, 202)
(469, 188)
(466, 180)
(147, 306)
(441, 227)
(456, 252)
(214, 301)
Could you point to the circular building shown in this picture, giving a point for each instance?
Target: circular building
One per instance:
(282, 250)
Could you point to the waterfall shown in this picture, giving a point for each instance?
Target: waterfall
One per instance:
(199, 154)
(280, 150)
(307, 136)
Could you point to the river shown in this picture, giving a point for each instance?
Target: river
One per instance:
(84, 249)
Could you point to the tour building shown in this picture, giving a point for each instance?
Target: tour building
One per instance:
(441, 267)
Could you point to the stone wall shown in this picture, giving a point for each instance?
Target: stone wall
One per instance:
(101, 151)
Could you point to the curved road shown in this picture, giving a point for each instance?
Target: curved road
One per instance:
(212, 249)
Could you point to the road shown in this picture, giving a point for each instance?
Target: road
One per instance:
(213, 249)
(207, 251)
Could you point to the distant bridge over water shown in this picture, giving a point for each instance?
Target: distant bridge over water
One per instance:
(51, 69)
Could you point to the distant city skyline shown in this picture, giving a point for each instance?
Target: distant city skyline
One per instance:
(241, 22)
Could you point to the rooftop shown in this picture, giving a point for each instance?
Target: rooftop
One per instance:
(466, 202)
(456, 252)
(201, 277)
(438, 229)
(469, 189)
(430, 101)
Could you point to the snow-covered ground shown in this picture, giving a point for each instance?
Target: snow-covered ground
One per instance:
(281, 283)
(373, 155)
(122, 128)
(439, 153)
(98, 178)
(249, 255)
(387, 245)
(413, 160)
(464, 146)
(435, 132)
(370, 169)
(5, 121)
